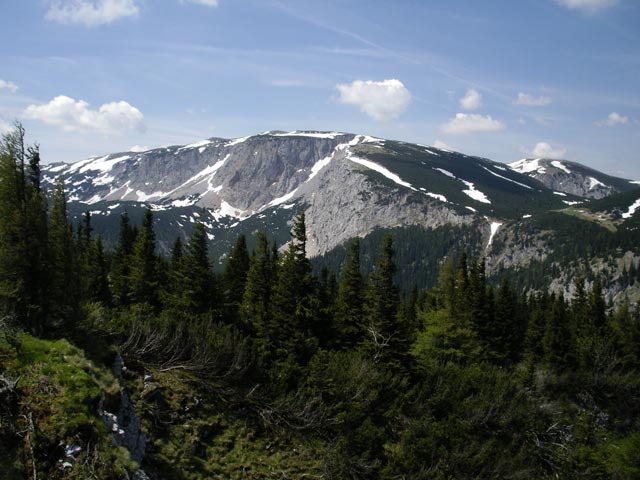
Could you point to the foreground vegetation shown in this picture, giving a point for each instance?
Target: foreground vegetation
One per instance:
(267, 371)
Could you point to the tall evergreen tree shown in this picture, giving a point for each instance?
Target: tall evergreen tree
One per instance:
(234, 278)
(121, 263)
(255, 311)
(143, 276)
(350, 323)
(97, 273)
(295, 303)
(387, 336)
(65, 286)
(198, 276)
(23, 233)
(558, 341)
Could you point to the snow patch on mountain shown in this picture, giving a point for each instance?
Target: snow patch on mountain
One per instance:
(237, 141)
(199, 144)
(296, 133)
(632, 209)
(380, 169)
(474, 193)
(507, 179)
(527, 165)
(445, 172)
(560, 166)
(493, 230)
(594, 182)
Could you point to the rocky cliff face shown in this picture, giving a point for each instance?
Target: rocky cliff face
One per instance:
(571, 178)
(328, 174)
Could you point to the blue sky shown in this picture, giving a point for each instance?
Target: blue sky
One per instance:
(496, 78)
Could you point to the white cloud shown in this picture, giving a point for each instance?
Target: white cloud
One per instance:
(8, 85)
(138, 148)
(206, 3)
(544, 150)
(469, 123)
(91, 13)
(383, 100)
(588, 6)
(530, 101)
(5, 127)
(441, 145)
(72, 115)
(471, 100)
(612, 120)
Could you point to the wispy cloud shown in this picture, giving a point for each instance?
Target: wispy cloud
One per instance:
(544, 150)
(471, 100)
(528, 100)
(464, 123)
(8, 85)
(206, 3)
(72, 115)
(91, 13)
(5, 127)
(383, 100)
(613, 119)
(587, 6)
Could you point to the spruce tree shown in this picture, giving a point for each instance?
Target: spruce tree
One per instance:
(558, 341)
(255, 311)
(121, 263)
(143, 275)
(23, 233)
(350, 325)
(234, 278)
(387, 335)
(295, 303)
(198, 276)
(65, 287)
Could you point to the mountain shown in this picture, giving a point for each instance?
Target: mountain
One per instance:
(439, 202)
(572, 178)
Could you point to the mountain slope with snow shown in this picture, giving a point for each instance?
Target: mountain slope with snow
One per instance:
(349, 184)
(572, 178)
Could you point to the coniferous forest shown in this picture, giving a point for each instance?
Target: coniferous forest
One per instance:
(123, 363)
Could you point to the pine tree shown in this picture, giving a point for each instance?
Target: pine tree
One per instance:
(143, 276)
(23, 233)
(121, 263)
(350, 326)
(387, 336)
(97, 273)
(65, 286)
(508, 332)
(558, 341)
(198, 276)
(255, 311)
(234, 278)
(295, 304)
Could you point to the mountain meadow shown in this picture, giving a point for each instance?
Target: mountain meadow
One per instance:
(500, 339)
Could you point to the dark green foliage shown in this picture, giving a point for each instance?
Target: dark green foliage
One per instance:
(121, 263)
(350, 327)
(143, 273)
(64, 277)
(387, 335)
(198, 289)
(234, 278)
(23, 233)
